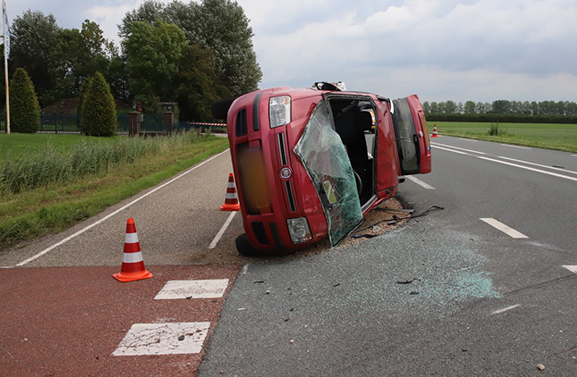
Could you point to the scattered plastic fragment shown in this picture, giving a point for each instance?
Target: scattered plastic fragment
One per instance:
(540, 366)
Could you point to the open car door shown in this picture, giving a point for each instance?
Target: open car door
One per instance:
(412, 136)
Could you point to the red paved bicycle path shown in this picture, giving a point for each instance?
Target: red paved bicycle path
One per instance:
(67, 321)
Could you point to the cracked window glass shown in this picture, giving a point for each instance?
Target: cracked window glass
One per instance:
(325, 158)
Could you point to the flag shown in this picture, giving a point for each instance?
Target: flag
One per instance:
(6, 28)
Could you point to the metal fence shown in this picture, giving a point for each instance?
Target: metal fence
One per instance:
(70, 124)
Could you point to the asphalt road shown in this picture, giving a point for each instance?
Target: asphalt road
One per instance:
(448, 294)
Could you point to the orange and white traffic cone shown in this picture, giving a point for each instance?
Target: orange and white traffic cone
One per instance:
(435, 133)
(132, 261)
(231, 199)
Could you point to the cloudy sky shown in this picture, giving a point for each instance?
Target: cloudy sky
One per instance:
(480, 50)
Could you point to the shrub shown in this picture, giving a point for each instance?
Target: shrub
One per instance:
(98, 116)
(24, 107)
(494, 130)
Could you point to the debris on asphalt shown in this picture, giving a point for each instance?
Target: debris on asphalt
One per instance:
(181, 338)
(336, 285)
(414, 293)
(258, 281)
(405, 281)
(292, 341)
(540, 366)
(268, 292)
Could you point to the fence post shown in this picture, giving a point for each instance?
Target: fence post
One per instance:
(133, 123)
(168, 120)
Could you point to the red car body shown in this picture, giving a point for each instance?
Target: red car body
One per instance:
(293, 175)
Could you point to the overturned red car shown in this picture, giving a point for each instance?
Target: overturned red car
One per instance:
(304, 166)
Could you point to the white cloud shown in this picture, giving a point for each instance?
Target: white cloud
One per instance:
(444, 49)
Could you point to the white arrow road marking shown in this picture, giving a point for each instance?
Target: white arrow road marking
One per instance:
(504, 228)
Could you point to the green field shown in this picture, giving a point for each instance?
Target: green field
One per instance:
(16, 145)
(561, 137)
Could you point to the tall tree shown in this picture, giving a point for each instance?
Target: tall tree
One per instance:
(469, 107)
(153, 55)
(33, 37)
(224, 29)
(219, 26)
(77, 55)
(24, 107)
(196, 90)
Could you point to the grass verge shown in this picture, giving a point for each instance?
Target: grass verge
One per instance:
(562, 137)
(35, 213)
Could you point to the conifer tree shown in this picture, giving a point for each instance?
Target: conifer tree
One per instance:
(98, 116)
(24, 107)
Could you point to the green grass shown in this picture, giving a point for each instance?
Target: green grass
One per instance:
(33, 213)
(561, 137)
(16, 145)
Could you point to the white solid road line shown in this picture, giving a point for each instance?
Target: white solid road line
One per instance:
(222, 230)
(528, 168)
(505, 309)
(462, 149)
(504, 228)
(419, 182)
(448, 150)
(541, 166)
(47, 250)
(514, 146)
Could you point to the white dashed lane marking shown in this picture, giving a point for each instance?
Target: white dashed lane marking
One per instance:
(187, 289)
(505, 309)
(163, 339)
(504, 228)
(419, 182)
(572, 269)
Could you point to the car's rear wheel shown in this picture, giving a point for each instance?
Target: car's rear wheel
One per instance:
(244, 247)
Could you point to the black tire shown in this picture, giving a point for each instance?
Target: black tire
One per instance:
(244, 247)
(220, 108)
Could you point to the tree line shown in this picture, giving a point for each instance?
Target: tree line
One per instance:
(189, 53)
(533, 108)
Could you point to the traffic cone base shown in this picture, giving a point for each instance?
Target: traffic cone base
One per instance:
(231, 199)
(132, 276)
(132, 261)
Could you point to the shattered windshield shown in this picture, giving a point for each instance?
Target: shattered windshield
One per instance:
(325, 158)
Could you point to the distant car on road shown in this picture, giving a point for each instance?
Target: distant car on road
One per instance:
(302, 165)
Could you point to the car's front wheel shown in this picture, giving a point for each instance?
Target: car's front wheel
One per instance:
(244, 247)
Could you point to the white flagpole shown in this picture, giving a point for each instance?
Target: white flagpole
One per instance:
(6, 68)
